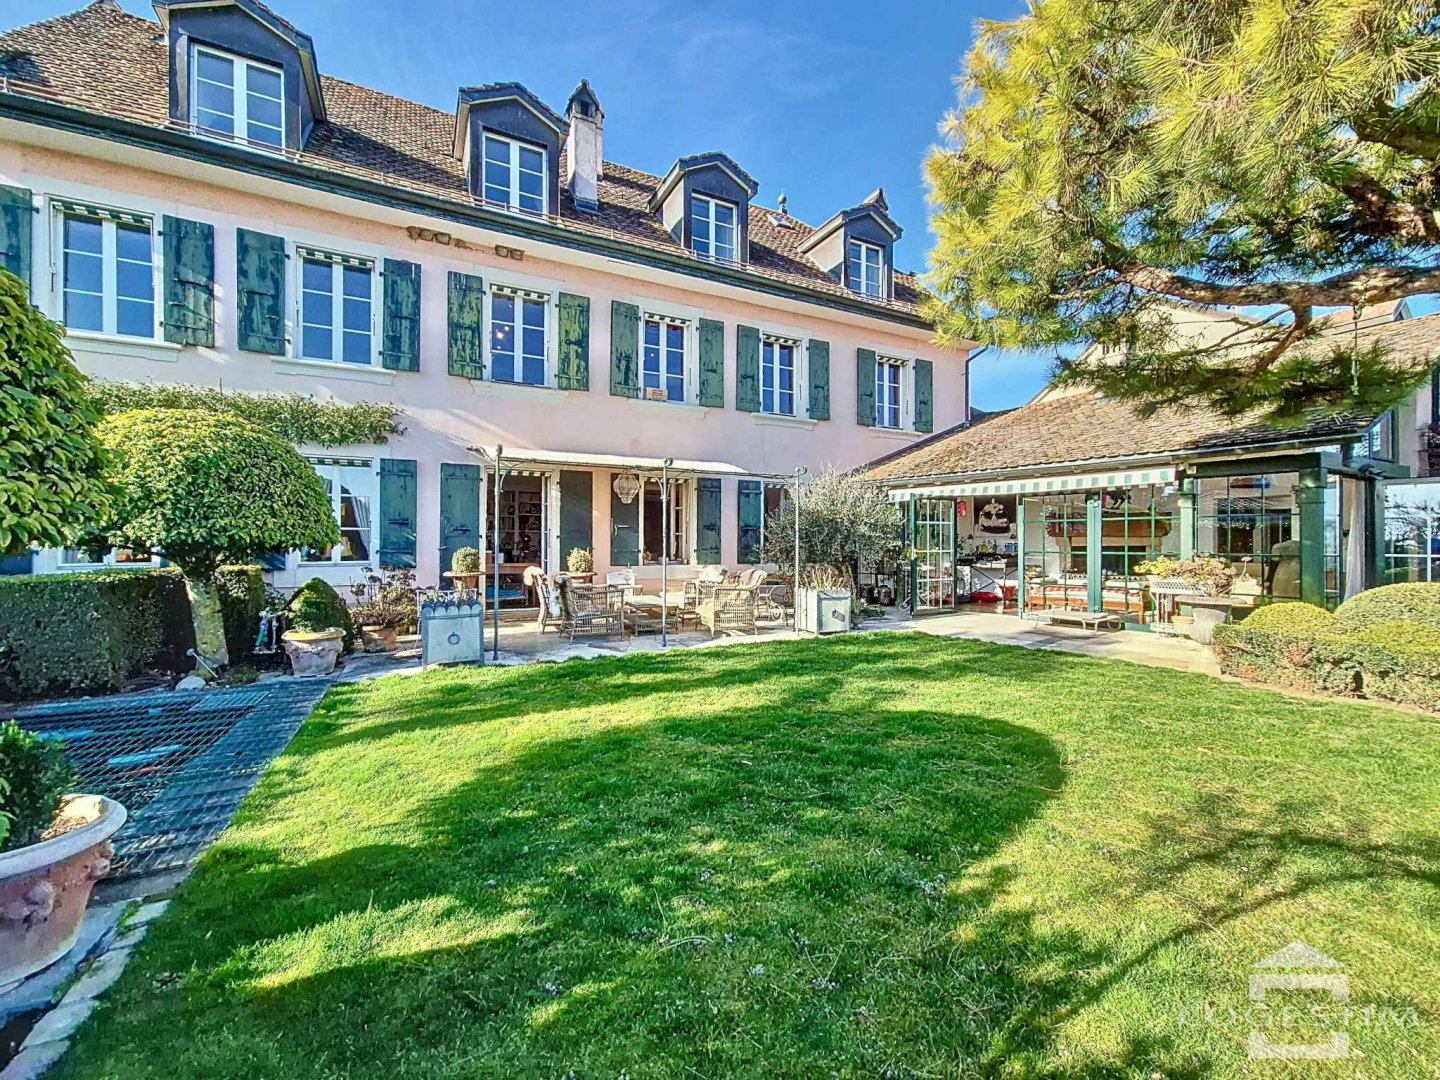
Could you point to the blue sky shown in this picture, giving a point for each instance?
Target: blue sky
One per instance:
(821, 99)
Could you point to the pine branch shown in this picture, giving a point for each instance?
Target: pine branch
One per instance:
(1417, 137)
(1373, 284)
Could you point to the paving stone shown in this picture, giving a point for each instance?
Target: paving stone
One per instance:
(130, 938)
(99, 976)
(31, 1063)
(39, 989)
(60, 1023)
(146, 913)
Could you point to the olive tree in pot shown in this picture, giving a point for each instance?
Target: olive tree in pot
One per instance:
(207, 490)
(54, 846)
(844, 521)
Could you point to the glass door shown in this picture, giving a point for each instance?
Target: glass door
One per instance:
(935, 554)
(1052, 560)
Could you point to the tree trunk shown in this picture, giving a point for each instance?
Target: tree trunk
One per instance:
(209, 624)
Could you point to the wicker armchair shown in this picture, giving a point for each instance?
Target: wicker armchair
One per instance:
(730, 609)
(588, 609)
(552, 612)
(697, 589)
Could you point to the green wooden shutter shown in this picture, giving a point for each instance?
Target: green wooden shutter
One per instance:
(747, 369)
(400, 330)
(573, 367)
(189, 254)
(397, 513)
(924, 395)
(575, 513)
(707, 520)
(819, 357)
(865, 386)
(752, 512)
(260, 283)
(17, 213)
(624, 529)
(467, 326)
(712, 364)
(459, 510)
(624, 341)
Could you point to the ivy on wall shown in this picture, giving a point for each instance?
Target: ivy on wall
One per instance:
(295, 418)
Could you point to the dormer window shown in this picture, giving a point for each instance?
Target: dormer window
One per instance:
(514, 175)
(865, 268)
(712, 228)
(239, 99)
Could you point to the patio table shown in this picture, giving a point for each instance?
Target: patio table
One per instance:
(673, 599)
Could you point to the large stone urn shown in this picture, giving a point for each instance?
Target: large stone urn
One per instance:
(44, 887)
(313, 654)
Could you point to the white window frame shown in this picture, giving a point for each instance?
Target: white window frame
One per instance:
(797, 352)
(711, 203)
(373, 494)
(520, 293)
(107, 561)
(866, 248)
(239, 99)
(684, 507)
(110, 301)
(337, 309)
(902, 385)
(512, 196)
(766, 486)
(686, 355)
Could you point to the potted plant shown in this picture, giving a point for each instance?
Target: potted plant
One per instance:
(386, 608)
(54, 846)
(320, 629)
(581, 564)
(1201, 576)
(823, 601)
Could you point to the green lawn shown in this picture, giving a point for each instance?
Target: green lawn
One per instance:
(885, 855)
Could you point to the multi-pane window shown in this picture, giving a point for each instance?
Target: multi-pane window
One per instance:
(773, 498)
(656, 533)
(514, 174)
(1379, 441)
(712, 228)
(866, 263)
(518, 325)
(777, 376)
(888, 378)
(350, 483)
(663, 358)
(107, 273)
(337, 301)
(238, 99)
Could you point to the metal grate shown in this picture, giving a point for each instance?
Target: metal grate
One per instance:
(179, 762)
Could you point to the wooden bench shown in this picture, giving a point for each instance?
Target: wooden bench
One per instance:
(1090, 620)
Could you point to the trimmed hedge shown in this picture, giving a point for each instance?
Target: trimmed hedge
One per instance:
(89, 632)
(317, 606)
(1416, 602)
(1305, 647)
(242, 599)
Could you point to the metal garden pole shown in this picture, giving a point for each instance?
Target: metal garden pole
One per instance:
(665, 532)
(495, 556)
(800, 470)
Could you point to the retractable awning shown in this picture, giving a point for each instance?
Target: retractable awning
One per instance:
(519, 458)
(1041, 485)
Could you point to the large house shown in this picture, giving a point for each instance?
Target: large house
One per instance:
(1053, 505)
(199, 203)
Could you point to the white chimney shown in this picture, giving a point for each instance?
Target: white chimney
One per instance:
(584, 147)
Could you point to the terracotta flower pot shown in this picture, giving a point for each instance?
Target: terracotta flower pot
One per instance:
(313, 654)
(379, 638)
(44, 887)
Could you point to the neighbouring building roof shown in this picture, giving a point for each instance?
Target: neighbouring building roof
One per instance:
(105, 61)
(1084, 428)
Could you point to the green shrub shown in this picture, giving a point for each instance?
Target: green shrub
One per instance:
(1412, 602)
(466, 560)
(317, 606)
(1292, 617)
(242, 599)
(1294, 659)
(90, 631)
(1399, 634)
(34, 777)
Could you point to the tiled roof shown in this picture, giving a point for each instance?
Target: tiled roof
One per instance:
(108, 62)
(1083, 427)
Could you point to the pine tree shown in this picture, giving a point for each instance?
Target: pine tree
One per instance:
(1111, 158)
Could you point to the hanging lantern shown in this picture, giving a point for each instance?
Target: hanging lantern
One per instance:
(627, 486)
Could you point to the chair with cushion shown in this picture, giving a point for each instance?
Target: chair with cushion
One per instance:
(623, 581)
(730, 609)
(697, 589)
(589, 610)
(551, 611)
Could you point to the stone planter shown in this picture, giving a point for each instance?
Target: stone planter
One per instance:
(379, 639)
(313, 654)
(44, 887)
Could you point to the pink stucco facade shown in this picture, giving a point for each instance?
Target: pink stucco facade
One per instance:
(445, 415)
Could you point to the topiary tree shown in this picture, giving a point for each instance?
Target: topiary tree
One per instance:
(843, 519)
(1417, 602)
(50, 487)
(316, 606)
(1292, 617)
(206, 491)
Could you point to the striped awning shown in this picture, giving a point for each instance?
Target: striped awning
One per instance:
(359, 262)
(353, 462)
(525, 294)
(101, 213)
(661, 316)
(781, 339)
(1041, 485)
